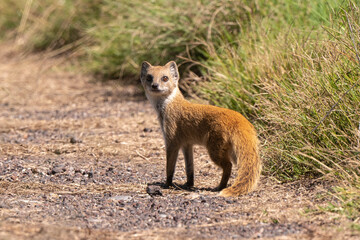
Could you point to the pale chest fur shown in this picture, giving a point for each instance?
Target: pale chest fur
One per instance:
(165, 114)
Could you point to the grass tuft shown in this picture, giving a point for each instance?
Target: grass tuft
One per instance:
(300, 89)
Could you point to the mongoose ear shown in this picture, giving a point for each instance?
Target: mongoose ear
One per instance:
(173, 70)
(144, 69)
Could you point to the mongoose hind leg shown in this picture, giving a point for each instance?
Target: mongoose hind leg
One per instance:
(189, 165)
(222, 159)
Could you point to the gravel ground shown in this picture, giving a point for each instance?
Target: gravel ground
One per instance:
(85, 160)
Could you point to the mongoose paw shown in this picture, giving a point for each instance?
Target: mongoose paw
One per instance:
(189, 184)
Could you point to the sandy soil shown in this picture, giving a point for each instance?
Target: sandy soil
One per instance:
(85, 160)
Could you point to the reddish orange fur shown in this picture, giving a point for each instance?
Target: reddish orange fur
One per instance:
(226, 134)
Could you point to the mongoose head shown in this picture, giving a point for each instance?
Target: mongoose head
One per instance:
(159, 81)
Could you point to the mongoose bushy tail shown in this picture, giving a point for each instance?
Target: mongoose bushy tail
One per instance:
(246, 154)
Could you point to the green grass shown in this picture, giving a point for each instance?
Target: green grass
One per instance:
(47, 25)
(347, 204)
(136, 31)
(291, 67)
(298, 83)
(10, 17)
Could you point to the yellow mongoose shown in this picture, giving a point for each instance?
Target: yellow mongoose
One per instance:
(227, 135)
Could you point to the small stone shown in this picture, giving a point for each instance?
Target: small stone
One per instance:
(154, 190)
(193, 196)
(124, 198)
(57, 151)
(58, 169)
(72, 170)
(74, 140)
(147, 130)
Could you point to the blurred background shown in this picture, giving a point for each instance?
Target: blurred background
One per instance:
(291, 67)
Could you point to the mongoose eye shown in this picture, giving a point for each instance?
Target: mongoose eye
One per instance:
(165, 78)
(149, 78)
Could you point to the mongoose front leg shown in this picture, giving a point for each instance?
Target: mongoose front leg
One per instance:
(171, 157)
(189, 164)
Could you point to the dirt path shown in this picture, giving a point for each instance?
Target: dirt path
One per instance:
(76, 158)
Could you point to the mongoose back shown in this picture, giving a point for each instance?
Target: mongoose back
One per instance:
(228, 136)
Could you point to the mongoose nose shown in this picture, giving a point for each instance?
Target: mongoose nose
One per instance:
(155, 86)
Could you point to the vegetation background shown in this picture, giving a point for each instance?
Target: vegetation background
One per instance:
(291, 67)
